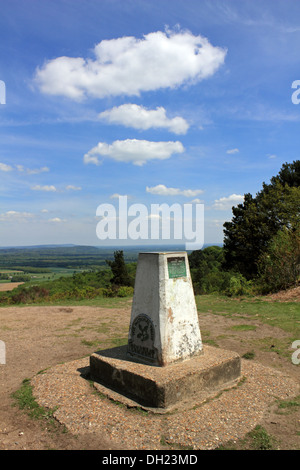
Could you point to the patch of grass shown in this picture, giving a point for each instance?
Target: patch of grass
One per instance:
(206, 338)
(249, 355)
(89, 343)
(26, 401)
(119, 341)
(210, 342)
(257, 439)
(260, 440)
(5, 328)
(107, 302)
(243, 327)
(276, 345)
(288, 406)
(285, 315)
(75, 322)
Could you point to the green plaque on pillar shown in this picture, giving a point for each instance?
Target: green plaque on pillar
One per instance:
(176, 267)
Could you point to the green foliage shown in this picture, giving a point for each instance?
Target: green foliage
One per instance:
(205, 269)
(79, 286)
(237, 285)
(34, 270)
(4, 276)
(43, 259)
(245, 236)
(279, 265)
(119, 270)
(209, 277)
(125, 291)
(289, 174)
(20, 278)
(258, 219)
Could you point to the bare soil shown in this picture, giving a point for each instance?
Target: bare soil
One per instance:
(289, 295)
(7, 286)
(37, 338)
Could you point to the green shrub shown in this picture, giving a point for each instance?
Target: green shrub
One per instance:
(279, 265)
(125, 291)
(237, 284)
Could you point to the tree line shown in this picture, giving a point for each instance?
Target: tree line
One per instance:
(262, 241)
(261, 250)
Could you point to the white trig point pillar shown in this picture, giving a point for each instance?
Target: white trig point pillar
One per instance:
(164, 324)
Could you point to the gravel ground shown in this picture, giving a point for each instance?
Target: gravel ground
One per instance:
(54, 339)
(206, 426)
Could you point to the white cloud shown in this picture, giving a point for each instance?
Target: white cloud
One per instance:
(232, 151)
(162, 190)
(135, 151)
(5, 167)
(196, 201)
(90, 157)
(56, 220)
(225, 203)
(15, 215)
(21, 169)
(129, 65)
(117, 196)
(43, 188)
(30, 171)
(139, 117)
(36, 171)
(70, 187)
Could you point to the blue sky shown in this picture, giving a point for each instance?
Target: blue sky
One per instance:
(180, 101)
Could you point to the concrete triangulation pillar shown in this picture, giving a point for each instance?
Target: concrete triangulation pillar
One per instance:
(164, 324)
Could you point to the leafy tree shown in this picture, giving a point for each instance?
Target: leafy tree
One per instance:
(119, 270)
(288, 175)
(205, 265)
(279, 266)
(257, 220)
(209, 277)
(245, 236)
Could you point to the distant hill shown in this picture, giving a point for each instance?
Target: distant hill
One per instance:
(54, 256)
(71, 256)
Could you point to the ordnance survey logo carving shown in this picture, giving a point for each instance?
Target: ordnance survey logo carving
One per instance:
(141, 342)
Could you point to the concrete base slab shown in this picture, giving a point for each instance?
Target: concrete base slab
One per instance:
(163, 388)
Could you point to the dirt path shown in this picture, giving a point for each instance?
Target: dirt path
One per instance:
(37, 338)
